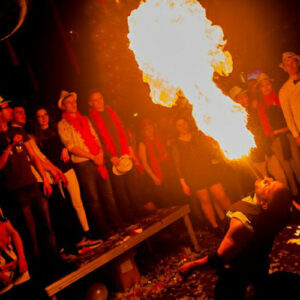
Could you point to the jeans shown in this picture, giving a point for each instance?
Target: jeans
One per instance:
(127, 194)
(66, 225)
(98, 198)
(35, 214)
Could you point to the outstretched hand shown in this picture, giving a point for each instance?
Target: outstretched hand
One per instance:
(185, 268)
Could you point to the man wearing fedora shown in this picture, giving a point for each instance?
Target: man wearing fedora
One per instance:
(80, 138)
(289, 94)
(118, 154)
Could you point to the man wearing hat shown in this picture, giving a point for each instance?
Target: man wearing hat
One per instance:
(22, 185)
(80, 138)
(289, 94)
(118, 153)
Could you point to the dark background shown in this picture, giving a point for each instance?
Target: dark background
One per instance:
(78, 45)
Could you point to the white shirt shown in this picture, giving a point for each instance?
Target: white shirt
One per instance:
(289, 96)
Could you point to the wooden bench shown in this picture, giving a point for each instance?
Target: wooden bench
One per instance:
(174, 215)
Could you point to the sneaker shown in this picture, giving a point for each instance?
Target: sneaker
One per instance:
(67, 256)
(85, 242)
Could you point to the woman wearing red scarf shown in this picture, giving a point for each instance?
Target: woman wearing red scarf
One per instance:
(115, 146)
(274, 125)
(156, 163)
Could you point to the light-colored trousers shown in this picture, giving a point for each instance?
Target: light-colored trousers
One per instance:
(74, 191)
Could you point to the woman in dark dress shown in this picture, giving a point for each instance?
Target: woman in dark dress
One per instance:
(200, 169)
(48, 140)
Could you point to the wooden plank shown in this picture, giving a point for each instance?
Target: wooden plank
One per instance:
(62, 283)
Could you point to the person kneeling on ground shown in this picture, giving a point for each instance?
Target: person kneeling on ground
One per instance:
(243, 255)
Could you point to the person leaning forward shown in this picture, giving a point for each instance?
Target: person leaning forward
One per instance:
(242, 257)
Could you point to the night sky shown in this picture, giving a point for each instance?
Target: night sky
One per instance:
(78, 45)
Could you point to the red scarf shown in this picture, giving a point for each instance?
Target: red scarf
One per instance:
(157, 153)
(102, 129)
(81, 125)
(271, 99)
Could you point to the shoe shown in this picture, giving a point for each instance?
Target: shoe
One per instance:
(85, 242)
(84, 250)
(67, 256)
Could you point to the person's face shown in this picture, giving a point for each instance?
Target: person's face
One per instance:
(96, 101)
(251, 84)
(243, 99)
(42, 117)
(70, 104)
(291, 66)
(265, 87)
(19, 115)
(6, 112)
(182, 126)
(264, 189)
(149, 130)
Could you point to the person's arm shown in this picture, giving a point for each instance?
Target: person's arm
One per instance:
(143, 156)
(64, 131)
(4, 156)
(37, 162)
(234, 241)
(288, 115)
(17, 241)
(176, 159)
(18, 138)
(56, 173)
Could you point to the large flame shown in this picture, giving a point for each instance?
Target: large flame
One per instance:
(178, 49)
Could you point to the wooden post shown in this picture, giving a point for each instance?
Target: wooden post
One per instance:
(191, 232)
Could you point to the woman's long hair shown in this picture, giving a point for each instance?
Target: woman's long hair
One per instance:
(38, 131)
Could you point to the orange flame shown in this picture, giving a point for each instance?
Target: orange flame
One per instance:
(178, 49)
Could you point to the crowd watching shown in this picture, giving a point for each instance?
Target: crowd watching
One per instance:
(68, 186)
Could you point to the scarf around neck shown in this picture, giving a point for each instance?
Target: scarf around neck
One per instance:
(108, 140)
(82, 126)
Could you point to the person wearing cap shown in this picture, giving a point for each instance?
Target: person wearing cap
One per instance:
(80, 138)
(289, 93)
(118, 153)
(242, 257)
(22, 185)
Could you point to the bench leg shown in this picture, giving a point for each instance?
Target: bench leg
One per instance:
(191, 232)
(54, 297)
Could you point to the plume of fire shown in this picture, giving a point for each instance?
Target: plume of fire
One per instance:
(178, 49)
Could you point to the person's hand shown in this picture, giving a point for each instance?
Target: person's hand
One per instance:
(47, 188)
(5, 279)
(22, 264)
(65, 157)
(115, 160)
(98, 159)
(17, 139)
(186, 267)
(62, 177)
(186, 189)
(157, 181)
(297, 139)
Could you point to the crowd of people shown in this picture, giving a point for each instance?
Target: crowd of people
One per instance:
(70, 185)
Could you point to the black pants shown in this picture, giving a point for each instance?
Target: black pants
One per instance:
(127, 193)
(66, 226)
(98, 199)
(35, 216)
(232, 283)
